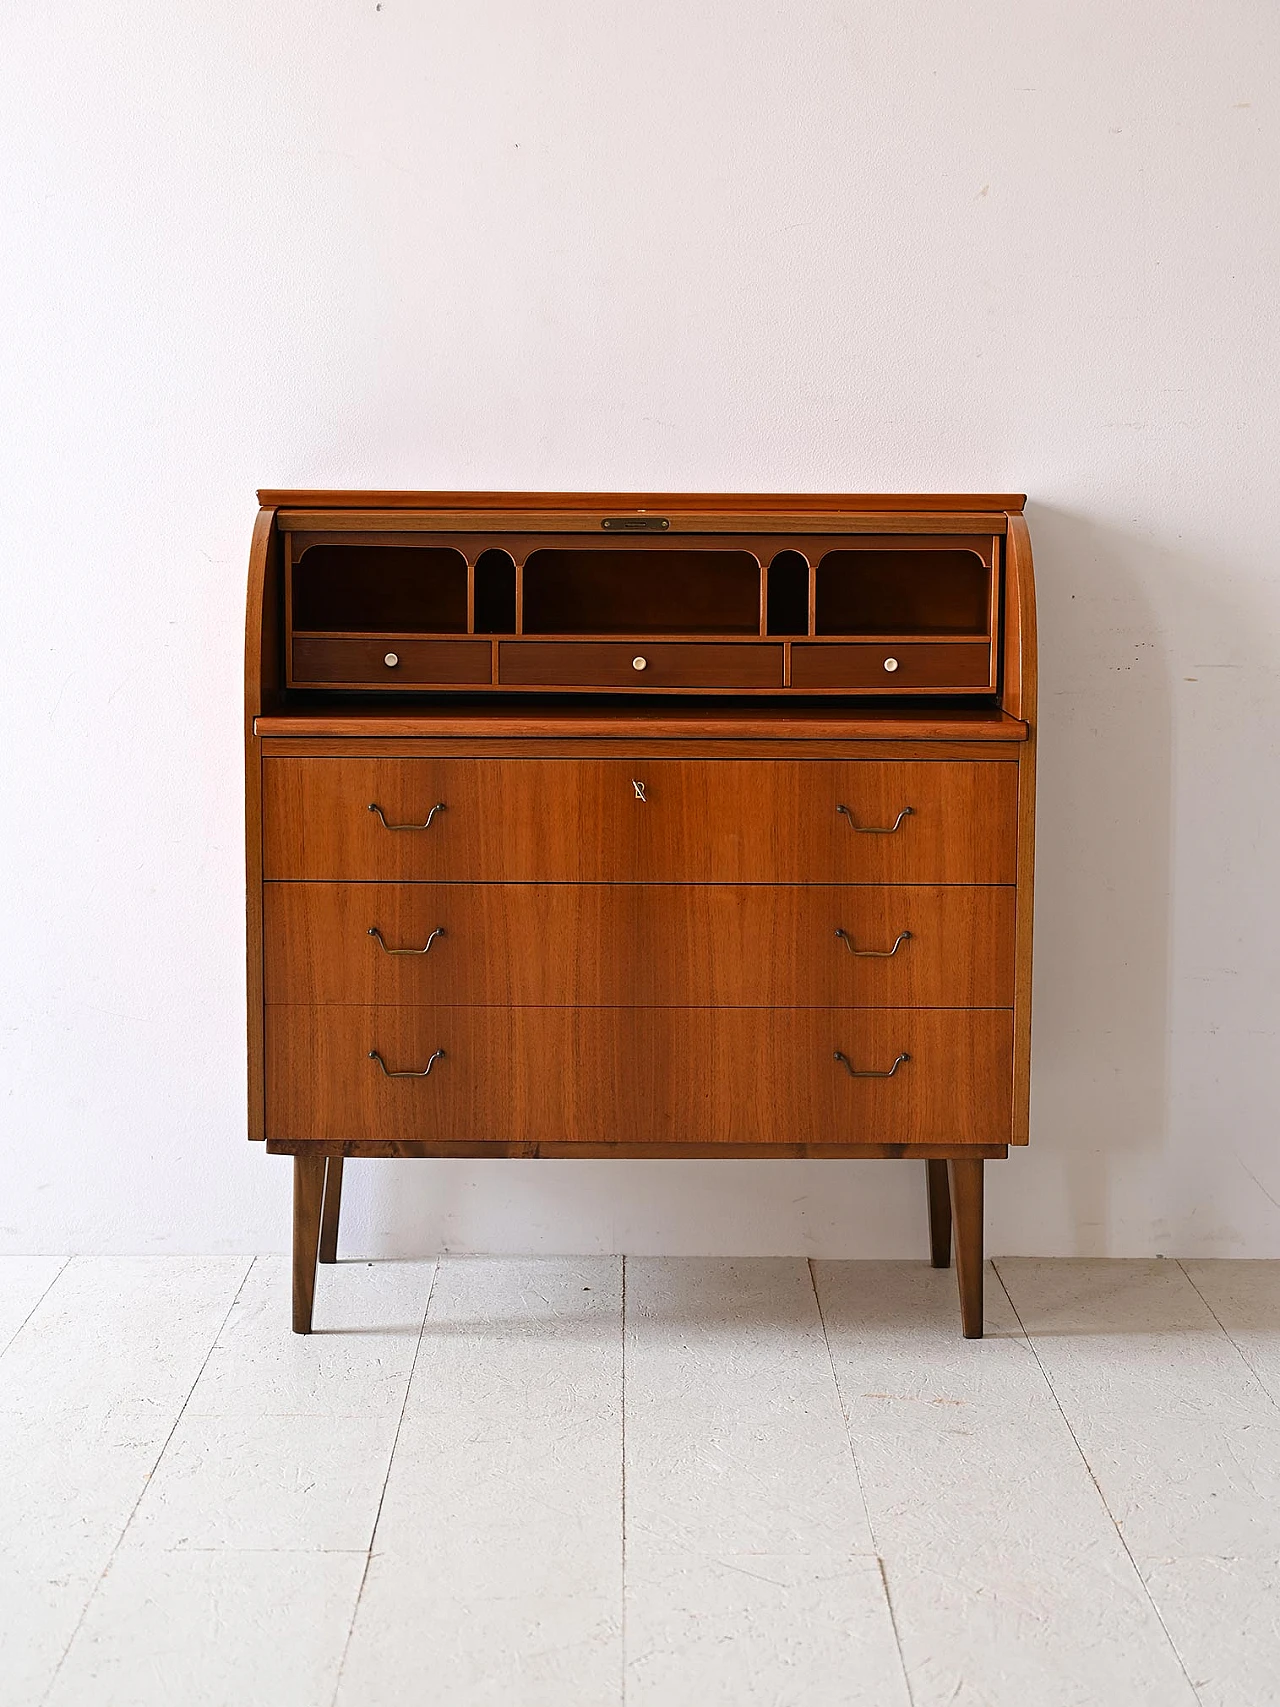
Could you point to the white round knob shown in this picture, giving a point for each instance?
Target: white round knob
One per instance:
(639, 663)
(891, 664)
(391, 660)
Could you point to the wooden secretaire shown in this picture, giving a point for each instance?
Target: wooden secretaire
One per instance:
(601, 825)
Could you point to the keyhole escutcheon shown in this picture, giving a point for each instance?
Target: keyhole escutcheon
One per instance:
(639, 788)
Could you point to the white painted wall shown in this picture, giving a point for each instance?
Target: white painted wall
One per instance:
(850, 246)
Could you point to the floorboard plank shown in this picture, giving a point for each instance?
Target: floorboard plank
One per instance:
(1182, 1437)
(1008, 1581)
(1245, 1298)
(122, 1336)
(213, 1630)
(1225, 1615)
(286, 1440)
(355, 1362)
(23, 1283)
(750, 1570)
(497, 1563)
(1181, 1428)
(90, 1388)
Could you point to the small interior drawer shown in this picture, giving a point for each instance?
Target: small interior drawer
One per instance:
(388, 661)
(893, 666)
(636, 664)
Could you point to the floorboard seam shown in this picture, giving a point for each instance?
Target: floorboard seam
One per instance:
(1053, 1392)
(1239, 1351)
(623, 1616)
(391, 1456)
(39, 1301)
(862, 1492)
(133, 1510)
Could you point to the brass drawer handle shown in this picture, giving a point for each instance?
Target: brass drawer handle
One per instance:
(856, 1073)
(877, 829)
(438, 807)
(425, 949)
(865, 953)
(406, 1072)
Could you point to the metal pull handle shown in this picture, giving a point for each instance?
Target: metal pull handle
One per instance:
(877, 829)
(425, 949)
(438, 807)
(868, 953)
(856, 1073)
(407, 1072)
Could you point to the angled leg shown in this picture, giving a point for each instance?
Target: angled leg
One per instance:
(332, 1207)
(308, 1194)
(965, 1178)
(939, 1215)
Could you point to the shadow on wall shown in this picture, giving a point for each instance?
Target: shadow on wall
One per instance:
(1156, 998)
(1103, 864)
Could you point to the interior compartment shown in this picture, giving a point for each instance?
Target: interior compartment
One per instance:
(903, 592)
(397, 589)
(495, 597)
(788, 602)
(641, 592)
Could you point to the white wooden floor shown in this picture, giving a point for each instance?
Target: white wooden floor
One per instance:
(660, 1482)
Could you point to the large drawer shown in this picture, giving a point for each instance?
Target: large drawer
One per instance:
(647, 820)
(634, 945)
(639, 1075)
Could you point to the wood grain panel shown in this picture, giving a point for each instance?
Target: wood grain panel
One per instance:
(631, 945)
(550, 820)
(638, 1075)
(584, 747)
(712, 722)
(424, 1148)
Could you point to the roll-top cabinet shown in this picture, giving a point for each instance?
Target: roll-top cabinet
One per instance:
(663, 826)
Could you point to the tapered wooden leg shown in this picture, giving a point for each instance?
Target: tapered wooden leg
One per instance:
(939, 1215)
(308, 1194)
(332, 1208)
(965, 1178)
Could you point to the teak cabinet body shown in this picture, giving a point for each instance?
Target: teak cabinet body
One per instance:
(635, 825)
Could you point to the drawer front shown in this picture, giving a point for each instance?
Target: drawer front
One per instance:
(896, 667)
(639, 1075)
(631, 945)
(665, 820)
(635, 664)
(417, 663)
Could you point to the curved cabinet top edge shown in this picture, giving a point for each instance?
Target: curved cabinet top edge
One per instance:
(800, 503)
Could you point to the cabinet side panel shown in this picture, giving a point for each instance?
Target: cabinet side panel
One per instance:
(262, 664)
(1022, 943)
(1019, 696)
(1020, 678)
